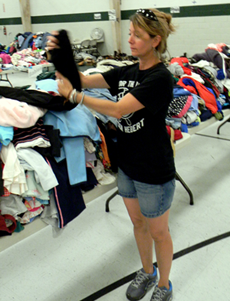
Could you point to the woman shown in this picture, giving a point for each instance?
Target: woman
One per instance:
(146, 176)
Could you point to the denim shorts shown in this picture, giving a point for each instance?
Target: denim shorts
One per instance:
(154, 200)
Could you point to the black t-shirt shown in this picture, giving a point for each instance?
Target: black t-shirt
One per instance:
(144, 149)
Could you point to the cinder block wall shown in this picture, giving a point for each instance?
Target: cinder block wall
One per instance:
(198, 22)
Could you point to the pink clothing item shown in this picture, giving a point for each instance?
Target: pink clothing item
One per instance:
(186, 107)
(6, 59)
(19, 114)
(32, 205)
(218, 47)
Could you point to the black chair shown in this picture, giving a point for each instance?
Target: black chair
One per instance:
(218, 129)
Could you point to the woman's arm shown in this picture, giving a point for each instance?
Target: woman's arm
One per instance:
(93, 81)
(126, 105)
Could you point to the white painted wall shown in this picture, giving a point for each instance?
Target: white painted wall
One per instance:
(192, 35)
(78, 31)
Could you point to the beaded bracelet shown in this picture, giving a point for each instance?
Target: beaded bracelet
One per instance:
(73, 96)
(82, 98)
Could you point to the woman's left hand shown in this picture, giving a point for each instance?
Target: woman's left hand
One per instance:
(64, 85)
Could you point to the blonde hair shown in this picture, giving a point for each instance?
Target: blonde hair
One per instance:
(163, 27)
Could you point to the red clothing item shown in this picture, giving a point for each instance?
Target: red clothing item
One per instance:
(200, 90)
(177, 133)
(181, 61)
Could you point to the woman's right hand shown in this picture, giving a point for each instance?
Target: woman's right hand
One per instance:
(64, 85)
(52, 41)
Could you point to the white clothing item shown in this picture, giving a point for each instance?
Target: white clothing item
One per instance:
(112, 62)
(89, 145)
(13, 173)
(201, 64)
(32, 160)
(28, 216)
(226, 83)
(12, 205)
(34, 188)
(103, 178)
(108, 64)
(221, 100)
(50, 213)
(107, 179)
(104, 68)
(224, 67)
(195, 76)
(40, 142)
(91, 70)
(189, 117)
(19, 114)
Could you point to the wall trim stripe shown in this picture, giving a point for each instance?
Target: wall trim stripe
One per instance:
(68, 18)
(185, 11)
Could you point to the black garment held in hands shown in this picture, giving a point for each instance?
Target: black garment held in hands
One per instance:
(63, 60)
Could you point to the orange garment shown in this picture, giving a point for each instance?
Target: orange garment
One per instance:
(104, 147)
(200, 90)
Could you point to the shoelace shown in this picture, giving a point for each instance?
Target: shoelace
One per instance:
(158, 294)
(139, 279)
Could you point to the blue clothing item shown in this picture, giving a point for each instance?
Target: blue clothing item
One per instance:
(44, 39)
(38, 42)
(179, 91)
(205, 115)
(48, 85)
(74, 125)
(184, 128)
(189, 82)
(27, 41)
(6, 134)
(219, 106)
(74, 152)
(220, 74)
(68, 199)
(8, 50)
(102, 94)
(195, 123)
(175, 123)
(194, 104)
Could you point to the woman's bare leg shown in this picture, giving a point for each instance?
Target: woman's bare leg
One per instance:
(163, 246)
(142, 234)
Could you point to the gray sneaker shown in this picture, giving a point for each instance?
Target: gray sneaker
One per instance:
(162, 293)
(141, 284)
